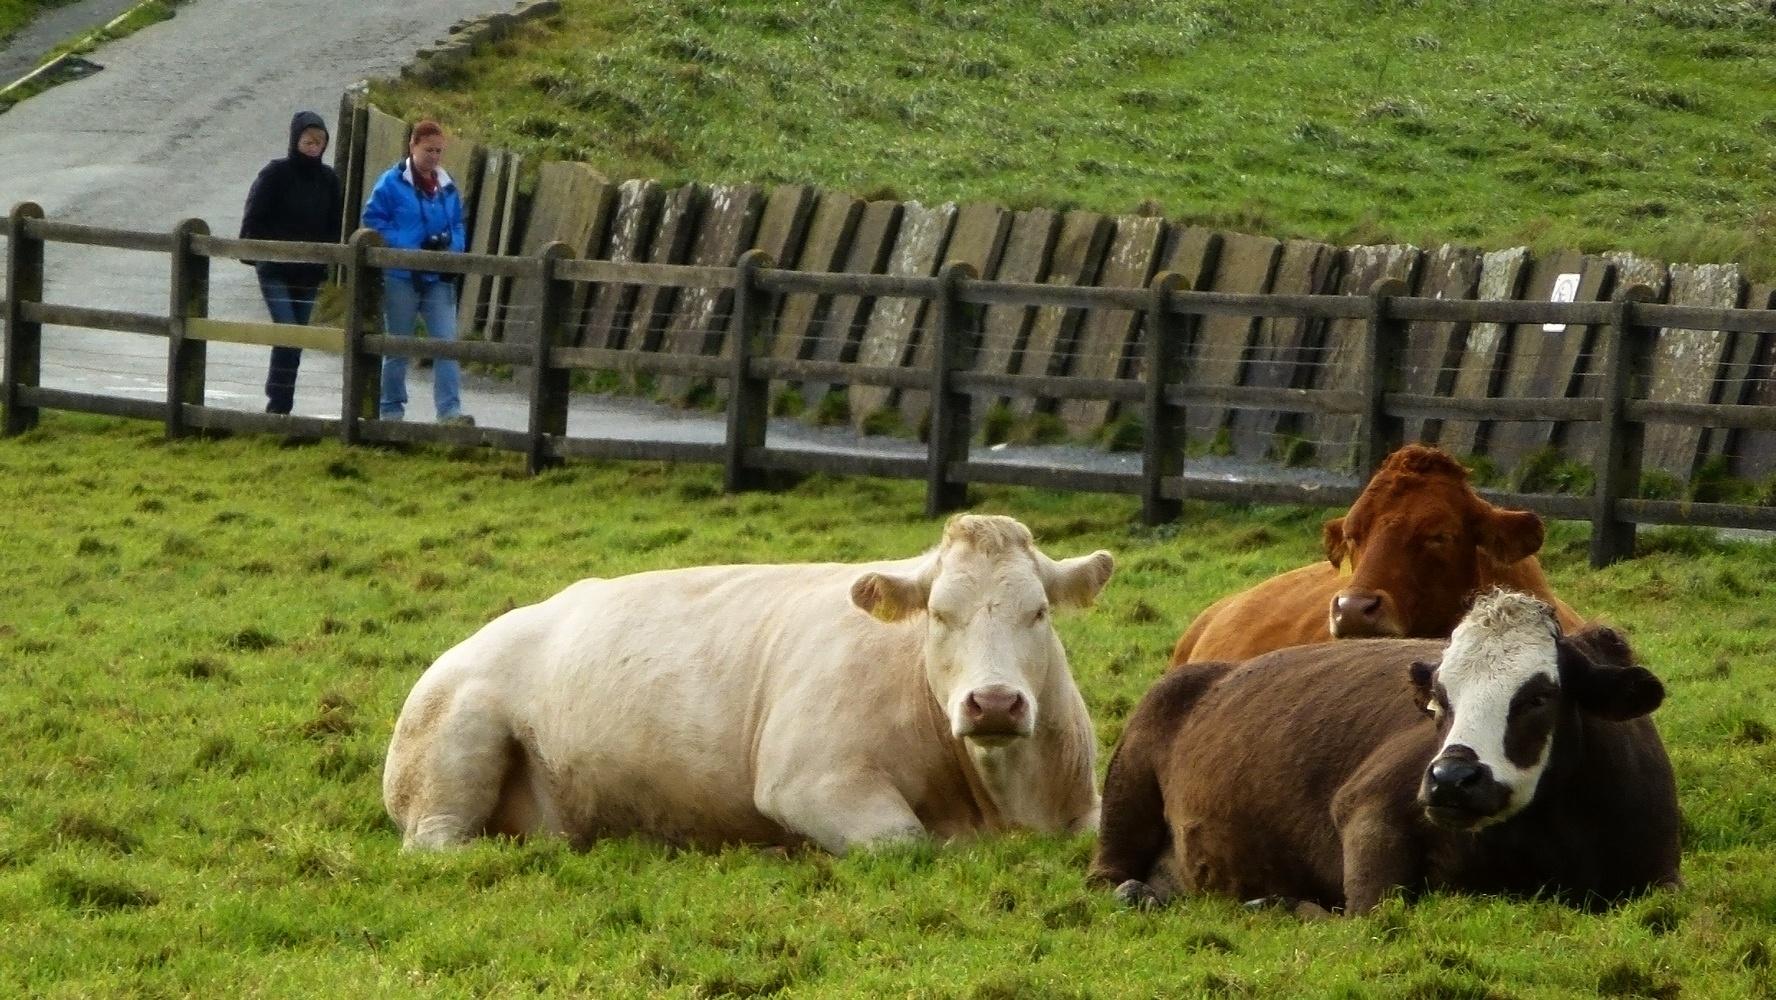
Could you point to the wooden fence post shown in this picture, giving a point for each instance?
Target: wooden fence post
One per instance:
(951, 421)
(749, 398)
(1615, 470)
(24, 340)
(362, 393)
(550, 385)
(1384, 347)
(190, 299)
(1166, 363)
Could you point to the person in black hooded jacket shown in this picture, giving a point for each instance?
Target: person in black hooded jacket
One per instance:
(296, 198)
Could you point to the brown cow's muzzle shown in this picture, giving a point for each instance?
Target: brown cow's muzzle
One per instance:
(1459, 793)
(1362, 614)
(995, 711)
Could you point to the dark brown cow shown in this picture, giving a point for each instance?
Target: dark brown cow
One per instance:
(1522, 764)
(1414, 549)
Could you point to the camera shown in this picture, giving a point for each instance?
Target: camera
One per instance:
(436, 241)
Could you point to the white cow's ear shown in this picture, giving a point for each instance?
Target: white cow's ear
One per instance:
(1075, 582)
(889, 598)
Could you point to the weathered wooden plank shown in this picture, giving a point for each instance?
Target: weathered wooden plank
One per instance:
(385, 144)
(847, 315)
(471, 306)
(1078, 253)
(462, 161)
(894, 323)
(572, 204)
(1688, 365)
(1739, 379)
(1434, 350)
(1027, 251)
(1246, 265)
(671, 243)
(505, 244)
(610, 308)
(979, 235)
(829, 239)
(1753, 453)
(348, 157)
(699, 319)
(1482, 365)
(784, 223)
(1579, 439)
(1340, 366)
(1286, 348)
(982, 238)
(1548, 360)
(1109, 335)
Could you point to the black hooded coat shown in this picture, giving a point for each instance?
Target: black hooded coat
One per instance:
(295, 198)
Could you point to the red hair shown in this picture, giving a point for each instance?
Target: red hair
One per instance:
(425, 130)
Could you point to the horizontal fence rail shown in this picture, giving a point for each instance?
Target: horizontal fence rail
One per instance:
(1159, 389)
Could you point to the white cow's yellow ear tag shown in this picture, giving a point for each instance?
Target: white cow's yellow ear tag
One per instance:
(1344, 568)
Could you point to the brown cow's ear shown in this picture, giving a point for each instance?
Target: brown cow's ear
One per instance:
(889, 598)
(1421, 673)
(1608, 691)
(1332, 537)
(1510, 535)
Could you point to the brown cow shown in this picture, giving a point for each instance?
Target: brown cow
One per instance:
(1521, 764)
(1414, 549)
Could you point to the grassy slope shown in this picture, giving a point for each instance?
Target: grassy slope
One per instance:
(1642, 125)
(204, 646)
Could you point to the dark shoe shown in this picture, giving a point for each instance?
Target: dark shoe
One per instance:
(457, 420)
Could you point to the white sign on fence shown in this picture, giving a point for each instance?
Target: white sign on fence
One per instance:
(1566, 289)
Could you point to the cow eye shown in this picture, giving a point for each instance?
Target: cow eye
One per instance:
(1040, 616)
(940, 618)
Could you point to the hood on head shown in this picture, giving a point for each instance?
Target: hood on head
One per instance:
(301, 122)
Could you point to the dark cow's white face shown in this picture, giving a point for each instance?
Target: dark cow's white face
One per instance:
(1496, 699)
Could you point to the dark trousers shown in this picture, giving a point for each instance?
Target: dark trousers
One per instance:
(287, 303)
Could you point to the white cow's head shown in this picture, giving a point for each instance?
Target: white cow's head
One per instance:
(1508, 683)
(991, 655)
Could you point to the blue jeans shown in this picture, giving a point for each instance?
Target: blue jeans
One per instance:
(287, 303)
(403, 301)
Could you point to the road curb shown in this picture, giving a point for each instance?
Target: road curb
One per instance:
(66, 58)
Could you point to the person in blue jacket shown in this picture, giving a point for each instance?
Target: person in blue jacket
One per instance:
(416, 206)
(296, 198)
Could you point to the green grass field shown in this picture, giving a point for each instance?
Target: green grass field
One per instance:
(204, 645)
(1639, 125)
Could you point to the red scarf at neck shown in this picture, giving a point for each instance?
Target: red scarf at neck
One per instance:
(427, 183)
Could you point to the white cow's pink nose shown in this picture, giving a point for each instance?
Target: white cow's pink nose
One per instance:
(994, 710)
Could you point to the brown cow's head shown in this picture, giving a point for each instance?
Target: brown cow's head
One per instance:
(1508, 683)
(1413, 546)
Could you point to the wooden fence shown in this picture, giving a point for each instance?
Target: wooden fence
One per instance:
(1375, 404)
(808, 229)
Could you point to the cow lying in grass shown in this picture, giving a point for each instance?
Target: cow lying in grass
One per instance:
(1523, 763)
(825, 703)
(1411, 553)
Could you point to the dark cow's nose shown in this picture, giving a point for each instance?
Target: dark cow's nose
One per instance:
(1357, 614)
(994, 710)
(1454, 776)
(1459, 791)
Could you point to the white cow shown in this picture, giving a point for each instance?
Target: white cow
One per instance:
(838, 704)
